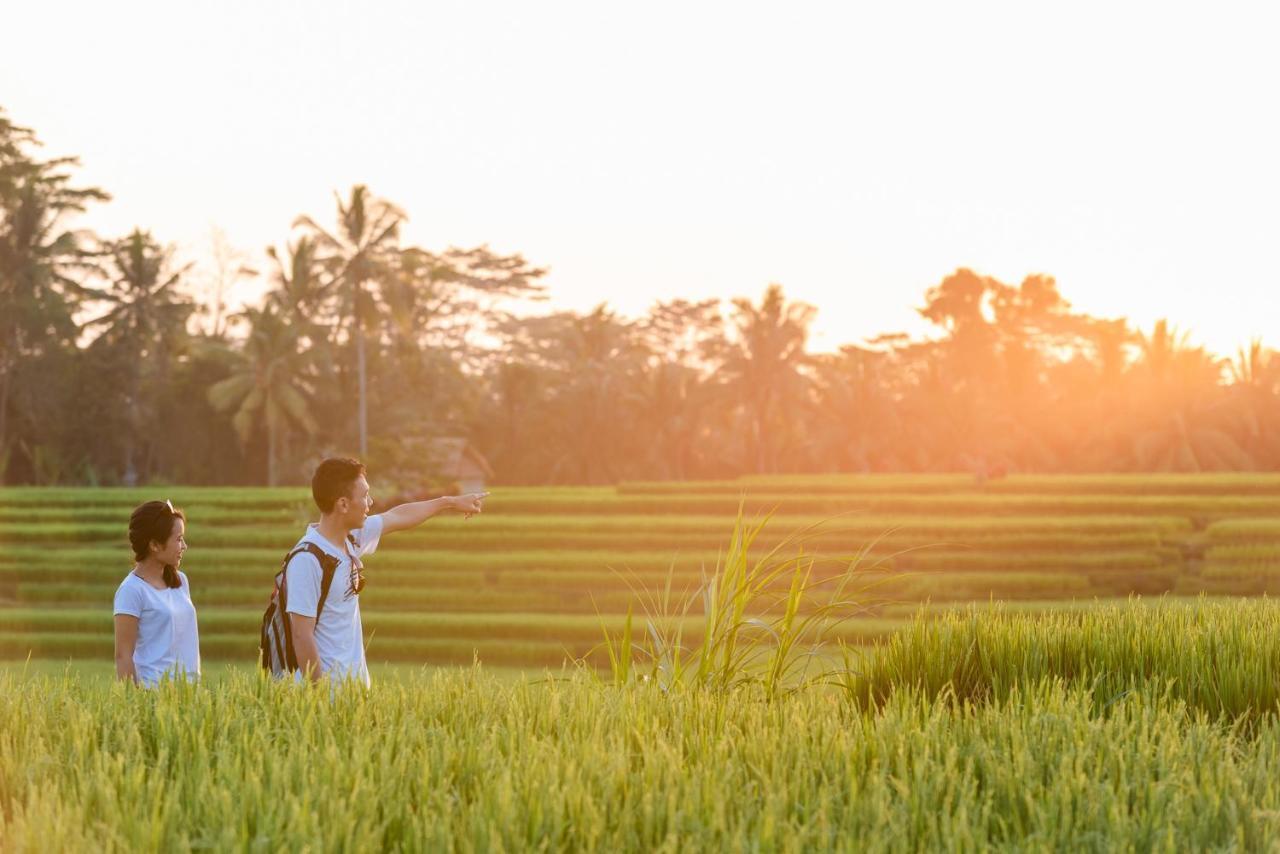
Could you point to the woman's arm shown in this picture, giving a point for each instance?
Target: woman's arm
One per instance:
(126, 640)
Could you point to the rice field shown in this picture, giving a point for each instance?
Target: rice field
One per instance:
(882, 664)
(545, 570)
(1132, 727)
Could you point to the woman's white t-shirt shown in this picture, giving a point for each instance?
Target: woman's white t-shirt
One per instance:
(168, 639)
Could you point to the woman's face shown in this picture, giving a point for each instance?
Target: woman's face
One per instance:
(170, 552)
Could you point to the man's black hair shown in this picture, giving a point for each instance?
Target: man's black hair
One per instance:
(333, 480)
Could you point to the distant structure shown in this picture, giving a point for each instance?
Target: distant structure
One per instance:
(986, 470)
(455, 460)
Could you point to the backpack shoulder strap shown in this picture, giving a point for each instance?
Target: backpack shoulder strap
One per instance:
(328, 568)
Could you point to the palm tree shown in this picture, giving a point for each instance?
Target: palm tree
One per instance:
(1255, 396)
(40, 261)
(1182, 407)
(270, 383)
(1092, 410)
(146, 305)
(146, 322)
(673, 402)
(300, 288)
(675, 390)
(599, 358)
(855, 413)
(357, 254)
(514, 429)
(762, 368)
(418, 299)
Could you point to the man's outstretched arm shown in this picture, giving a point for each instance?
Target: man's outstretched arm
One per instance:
(405, 516)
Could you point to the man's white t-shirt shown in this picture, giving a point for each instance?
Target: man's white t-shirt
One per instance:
(339, 634)
(168, 638)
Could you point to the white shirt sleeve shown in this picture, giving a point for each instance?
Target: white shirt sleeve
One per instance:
(302, 578)
(128, 600)
(369, 535)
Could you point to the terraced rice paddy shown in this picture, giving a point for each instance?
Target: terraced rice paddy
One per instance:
(533, 579)
(1047, 721)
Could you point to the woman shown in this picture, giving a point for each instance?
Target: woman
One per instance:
(155, 619)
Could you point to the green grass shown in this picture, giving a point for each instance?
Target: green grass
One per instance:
(1093, 484)
(476, 598)
(1141, 726)
(493, 522)
(579, 570)
(942, 559)
(1218, 657)
(242, 648)
(242, 497)
(542, 560)
(1243, 553)
(1047, 722)
(525, 592)
(65, 561)
(887, 504)
(102, 672)
(550, 627)
(1244, 530)
(521, 534)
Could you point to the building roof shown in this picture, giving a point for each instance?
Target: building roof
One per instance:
(453, 456)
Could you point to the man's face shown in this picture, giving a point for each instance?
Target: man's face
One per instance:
(355, 508)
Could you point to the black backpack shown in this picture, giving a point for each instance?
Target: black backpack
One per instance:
(276, 646)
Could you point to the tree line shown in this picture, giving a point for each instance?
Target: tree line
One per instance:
(115, 368)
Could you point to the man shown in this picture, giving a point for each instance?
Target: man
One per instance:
(333, 644)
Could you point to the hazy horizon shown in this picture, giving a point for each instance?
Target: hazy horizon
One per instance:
(855, 157)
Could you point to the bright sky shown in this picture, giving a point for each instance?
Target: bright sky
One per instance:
(854, 152)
